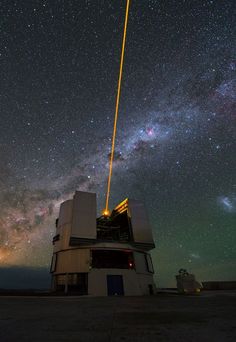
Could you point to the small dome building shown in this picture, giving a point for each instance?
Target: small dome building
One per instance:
(102, 256)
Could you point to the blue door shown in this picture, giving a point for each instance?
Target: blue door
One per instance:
(115, 285)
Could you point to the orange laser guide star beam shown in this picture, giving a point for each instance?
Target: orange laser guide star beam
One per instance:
(106, 211)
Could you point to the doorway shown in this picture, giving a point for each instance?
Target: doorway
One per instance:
(115, 285)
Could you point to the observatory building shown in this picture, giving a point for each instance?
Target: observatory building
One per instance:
(102, 256)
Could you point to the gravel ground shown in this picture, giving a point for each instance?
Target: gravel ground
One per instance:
(165, 317)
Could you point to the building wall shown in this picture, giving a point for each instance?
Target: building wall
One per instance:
(64, 226)
(65, 214)
(142, 232)
(144, 280)
(136, 281)
(84, 223)
(73, 261)
(134, 284)
(140, 263)
(143, 263)
(63, 242)
(65, 236)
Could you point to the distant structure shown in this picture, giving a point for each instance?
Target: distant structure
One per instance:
(187, 283)
(219, 285)
(102, 256)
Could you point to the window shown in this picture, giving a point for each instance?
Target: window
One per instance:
(112, 259)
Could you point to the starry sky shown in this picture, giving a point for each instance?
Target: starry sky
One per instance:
(176, 139)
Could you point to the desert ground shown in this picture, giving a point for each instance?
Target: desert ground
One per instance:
(210, 316)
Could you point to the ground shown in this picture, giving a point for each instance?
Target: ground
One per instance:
(164, 317)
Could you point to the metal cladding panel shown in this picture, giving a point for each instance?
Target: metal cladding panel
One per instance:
(141, 228)
(65, 236)
(65, 214)
(84, 223)
(140, 262)
(73, 261)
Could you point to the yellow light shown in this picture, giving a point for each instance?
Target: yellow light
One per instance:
(106, 212)
(121, 205)
(117, 105)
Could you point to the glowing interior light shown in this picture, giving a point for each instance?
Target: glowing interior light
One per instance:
(106, 212)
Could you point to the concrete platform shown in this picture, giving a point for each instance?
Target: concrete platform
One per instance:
(165, 317)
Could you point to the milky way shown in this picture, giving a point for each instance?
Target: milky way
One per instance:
(176, 137)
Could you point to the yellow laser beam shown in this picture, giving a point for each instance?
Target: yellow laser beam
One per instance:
(117, 108)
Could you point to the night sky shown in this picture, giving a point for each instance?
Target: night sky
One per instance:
(176, 139)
